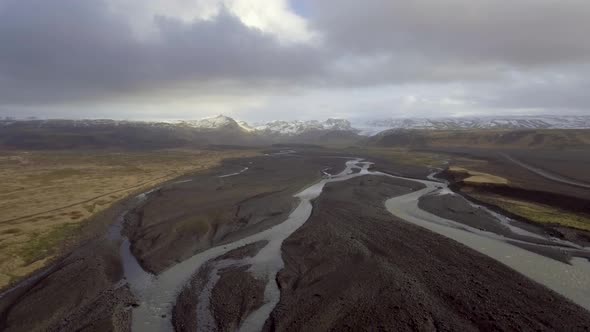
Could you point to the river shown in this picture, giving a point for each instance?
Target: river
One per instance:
(157, 294)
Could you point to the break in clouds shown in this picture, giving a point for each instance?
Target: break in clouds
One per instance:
(276, 59)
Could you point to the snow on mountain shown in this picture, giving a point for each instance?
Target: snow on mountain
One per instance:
(298, 127)
(537, 122)
(215, 122)
(244, 125)
(272, 127)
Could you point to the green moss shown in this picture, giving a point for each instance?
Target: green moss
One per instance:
(540, 213)
(43, 245)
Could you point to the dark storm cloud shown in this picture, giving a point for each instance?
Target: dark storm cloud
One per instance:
(64, 50)
(517, 33)
(470, 41)
(560, 94)
(54, 49)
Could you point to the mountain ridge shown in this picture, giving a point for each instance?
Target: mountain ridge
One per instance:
(367, 127)
(372, 127)
(218, 130)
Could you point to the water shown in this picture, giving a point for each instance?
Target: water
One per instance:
(234, 174)
(570, 280)
(157, 294)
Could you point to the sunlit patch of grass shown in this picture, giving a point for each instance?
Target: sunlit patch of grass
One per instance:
(408, 157)
(539, 213)
(473, 177)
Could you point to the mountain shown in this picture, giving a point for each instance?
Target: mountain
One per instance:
(526, 122)
(294, 128)
(272, 129)
(113, 134)
(215, 123)
(218, 130)
(224, 130)
(331, 131)
(93, 134)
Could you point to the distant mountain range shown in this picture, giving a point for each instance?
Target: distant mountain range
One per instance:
(224, 130)
(218, 130)
(525, 122)
(484, 138)
(286, 128)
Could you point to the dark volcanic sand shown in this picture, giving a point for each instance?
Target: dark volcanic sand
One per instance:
(352, 266)
(236, 294)
(80, 294)
(181, 220)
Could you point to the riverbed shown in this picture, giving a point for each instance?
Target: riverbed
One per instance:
(157, 294)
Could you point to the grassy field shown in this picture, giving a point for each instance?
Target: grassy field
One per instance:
(408, 157)
(45, 197)
(532, 211)
(539, 213)
(474, 177)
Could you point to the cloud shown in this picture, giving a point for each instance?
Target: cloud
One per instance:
(70, 50)
(561, 91)
(524, 33)
(260, 58)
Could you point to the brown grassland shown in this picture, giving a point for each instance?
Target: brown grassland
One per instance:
(45, 197)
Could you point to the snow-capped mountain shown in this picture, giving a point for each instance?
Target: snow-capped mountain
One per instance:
(224, 128)
(293, 128)
(245, 126)
(215, 122)
(529, 122)
(287, 128)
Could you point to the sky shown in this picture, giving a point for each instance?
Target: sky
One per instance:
(260, 60)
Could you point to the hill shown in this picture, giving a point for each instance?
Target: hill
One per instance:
(536, 139)
(137, 135)
(468, 123)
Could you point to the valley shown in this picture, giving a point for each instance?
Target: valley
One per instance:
(296, 236)
(288, 165)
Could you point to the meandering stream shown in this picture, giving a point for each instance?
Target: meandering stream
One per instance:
(570, 280)
(157, 294)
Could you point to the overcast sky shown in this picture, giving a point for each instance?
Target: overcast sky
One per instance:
(299, 59)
